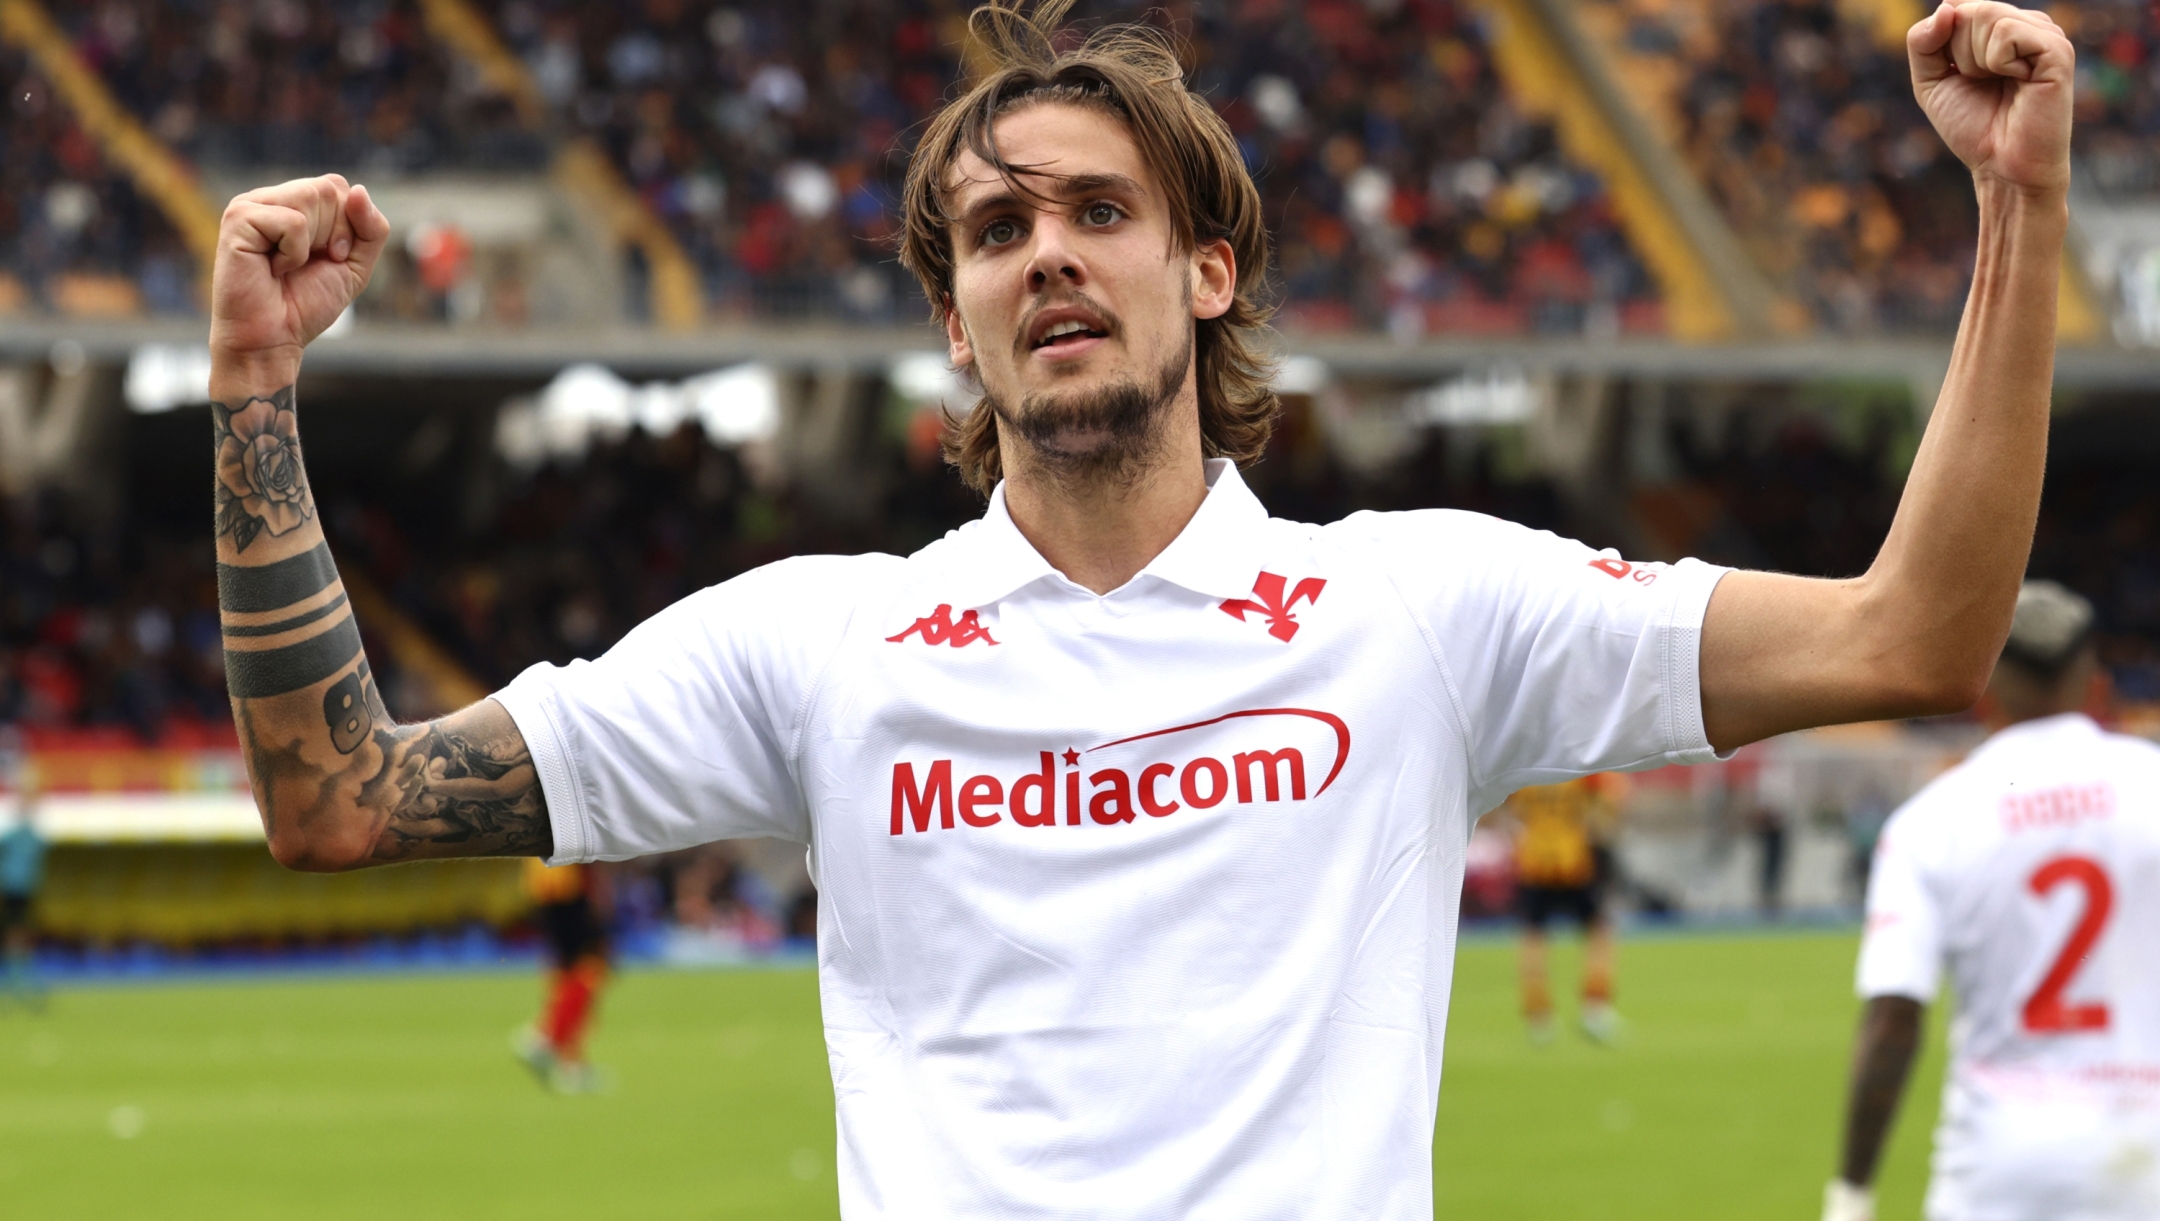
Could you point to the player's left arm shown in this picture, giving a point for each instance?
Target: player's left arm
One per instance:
(1919, 632)
(1882, 1062)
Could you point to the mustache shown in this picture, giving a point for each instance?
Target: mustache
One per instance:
(1069, 297)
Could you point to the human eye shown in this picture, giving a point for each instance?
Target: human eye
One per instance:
(997, 233)
(1102, 213)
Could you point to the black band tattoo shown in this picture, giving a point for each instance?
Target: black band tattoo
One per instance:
(287, 625)
(301, 620)
(463, 785)
(269, 587)
(256, 673)
(261, 485)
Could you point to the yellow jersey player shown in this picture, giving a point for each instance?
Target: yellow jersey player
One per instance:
(1561, 867)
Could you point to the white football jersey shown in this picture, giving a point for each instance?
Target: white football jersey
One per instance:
(2033, 871)
(1136, 905)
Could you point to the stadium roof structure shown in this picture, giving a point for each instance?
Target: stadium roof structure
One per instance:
(644, 352)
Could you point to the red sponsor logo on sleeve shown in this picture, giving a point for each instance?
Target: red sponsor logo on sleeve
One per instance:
(1621, 570)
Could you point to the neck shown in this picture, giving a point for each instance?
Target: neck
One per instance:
(1100, 532)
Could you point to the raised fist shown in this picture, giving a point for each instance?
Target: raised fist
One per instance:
(1996, 81)
(290, 258)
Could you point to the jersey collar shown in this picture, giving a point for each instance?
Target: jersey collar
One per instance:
(1218, 551)
(1217, 554)
(2067, 724)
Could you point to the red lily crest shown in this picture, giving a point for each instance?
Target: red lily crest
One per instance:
(1268, 601)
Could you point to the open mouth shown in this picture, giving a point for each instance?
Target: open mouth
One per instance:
(1069, 332)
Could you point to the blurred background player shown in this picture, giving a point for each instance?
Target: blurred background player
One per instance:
(1562, 864)
(22, 872)
(2030, 869)
(569, 902)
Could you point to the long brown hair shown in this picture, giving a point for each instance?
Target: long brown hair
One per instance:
(1131, 72)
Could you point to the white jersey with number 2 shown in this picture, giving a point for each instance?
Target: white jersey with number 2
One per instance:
(2032, 871)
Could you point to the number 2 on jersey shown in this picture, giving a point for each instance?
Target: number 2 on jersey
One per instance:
(2045, 1012)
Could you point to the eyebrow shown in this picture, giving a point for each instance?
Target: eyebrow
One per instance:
(1066, 185)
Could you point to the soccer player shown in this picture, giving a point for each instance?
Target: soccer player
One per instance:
(1137, 817)
(1560, 871)
(570, 902)
(22, 873)
(2030, 870)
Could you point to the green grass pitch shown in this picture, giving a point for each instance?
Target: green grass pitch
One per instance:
(395, 1097)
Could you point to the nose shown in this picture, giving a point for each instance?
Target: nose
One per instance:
(1054, 262)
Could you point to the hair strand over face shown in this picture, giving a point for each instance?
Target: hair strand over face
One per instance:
(1131, 73)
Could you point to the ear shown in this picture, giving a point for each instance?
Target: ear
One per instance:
(1214, 282)
(957, 347)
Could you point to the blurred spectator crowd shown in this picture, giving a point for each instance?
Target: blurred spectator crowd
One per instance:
(1405, 189)
(1802, 124)
(114, 624)
(113, 627)
(2118, 93)
(1798, 118)
(75, 238)
(355, 85)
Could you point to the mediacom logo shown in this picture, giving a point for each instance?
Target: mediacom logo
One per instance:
(1113, 795)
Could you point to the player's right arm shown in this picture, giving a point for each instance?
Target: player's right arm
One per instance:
(339, 784)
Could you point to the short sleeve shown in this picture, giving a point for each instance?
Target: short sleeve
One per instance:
(1901, 951)
(1565, 660)
(681, 734)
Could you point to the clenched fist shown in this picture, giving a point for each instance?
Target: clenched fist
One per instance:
(290, 258)
(1996, 81)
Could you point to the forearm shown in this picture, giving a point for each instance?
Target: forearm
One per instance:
(338, 783)
(1941, 591)
(1882, 1062)
(1919, 632)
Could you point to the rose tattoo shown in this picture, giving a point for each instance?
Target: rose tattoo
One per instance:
(260, 484)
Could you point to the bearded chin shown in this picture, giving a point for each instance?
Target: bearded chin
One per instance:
(1108, 433)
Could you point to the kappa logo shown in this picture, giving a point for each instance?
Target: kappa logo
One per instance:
(1268, 589)
(938, 628)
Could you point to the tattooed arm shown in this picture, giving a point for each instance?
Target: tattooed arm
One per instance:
(339, 784)
(1889, 1041)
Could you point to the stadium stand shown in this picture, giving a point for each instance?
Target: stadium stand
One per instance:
(1799, 121)
(1411, 185)
(301, 85)
(1409, 192)
(76, 239)
(1405, 189)
(2118, 112)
